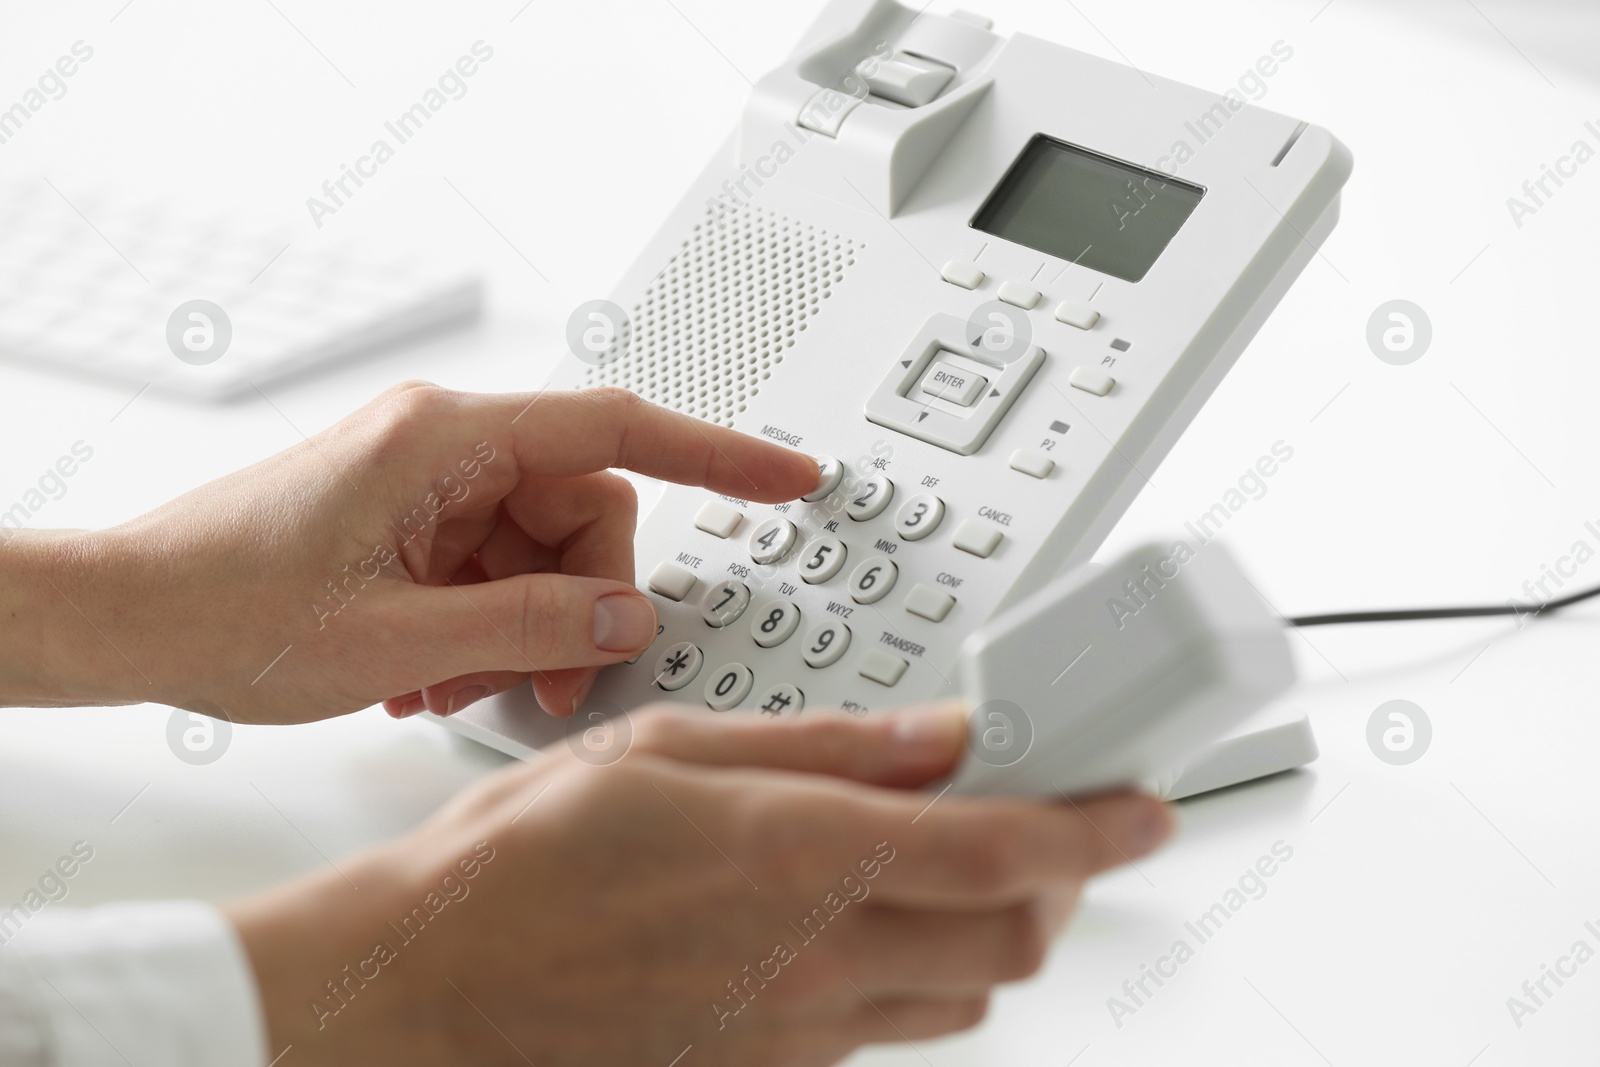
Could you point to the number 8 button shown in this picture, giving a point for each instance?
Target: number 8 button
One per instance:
(774, 623)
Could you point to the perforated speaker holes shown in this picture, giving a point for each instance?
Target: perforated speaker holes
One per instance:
(725, 308)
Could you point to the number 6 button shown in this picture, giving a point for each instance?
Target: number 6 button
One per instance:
(919, 517)
(822, 559)
(871, 582)
(774, 622)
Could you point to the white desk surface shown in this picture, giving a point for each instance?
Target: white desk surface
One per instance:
(1418, 898)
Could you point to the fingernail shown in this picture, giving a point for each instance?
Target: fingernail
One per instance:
(931, 730)
(1155, 825)
(623, 622)
(407, 708)
(582, 694)
(466, 697)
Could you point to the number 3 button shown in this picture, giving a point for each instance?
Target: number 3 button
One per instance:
(774, 622)
(919, 517)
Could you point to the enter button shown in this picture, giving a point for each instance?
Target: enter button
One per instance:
(950, 382)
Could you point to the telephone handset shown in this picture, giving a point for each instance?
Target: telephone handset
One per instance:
(988, 281)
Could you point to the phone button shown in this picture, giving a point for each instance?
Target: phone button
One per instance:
(671, 581)
(874, 497)
(1091, 381)
(781, 701)
(919, 517)
(772, 540)
(881, 667)
(831, 472)
(1023, 296)
(1033, 464)
(775, 622)
(724, 603)
(978, 537)
(678, 665)
(966, 275)
(718, 519)
(872, 580)
(821, 560)
(729, 684)
(929, 603)
(826, 643)
(950, 382)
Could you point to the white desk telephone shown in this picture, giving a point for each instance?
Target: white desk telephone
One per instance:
(988, 281)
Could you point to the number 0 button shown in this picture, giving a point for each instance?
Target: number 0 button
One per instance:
(822, 559)
(872, 580)
(774, 623)
(919, 517)
(729, 684)
(772, 540)
(826, 643)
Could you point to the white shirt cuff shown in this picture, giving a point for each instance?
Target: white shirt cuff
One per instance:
(158, 983)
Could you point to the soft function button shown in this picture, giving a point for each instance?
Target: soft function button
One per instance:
(950, 382)
(1033, 464)
(881, 667)
(826, 643)
(825, 111)
(772, 540)
(919, 516)
(929, 603)
(978, 537)
(871, 581)
(724, 603)
(671, 581)
(728, 684)
(1074, 313)
(774, 623)
(1023, 296)
(966, 275)
(1091, 381)
(781, 701)
(821, 559)
(832, 472)
(875, 494)
(906, 79)
(717, 519)
(678, 665)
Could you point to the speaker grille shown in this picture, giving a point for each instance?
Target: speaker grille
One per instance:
(723, 311)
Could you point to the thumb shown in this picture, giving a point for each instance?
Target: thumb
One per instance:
(906, 748)
(525, 623)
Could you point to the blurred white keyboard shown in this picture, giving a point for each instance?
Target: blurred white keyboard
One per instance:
(87, 287)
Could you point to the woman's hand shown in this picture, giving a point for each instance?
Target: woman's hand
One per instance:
(430, 549)
(757, 890)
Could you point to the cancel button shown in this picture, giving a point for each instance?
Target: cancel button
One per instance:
(1002, 518)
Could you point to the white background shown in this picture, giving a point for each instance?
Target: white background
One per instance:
(1418, 898)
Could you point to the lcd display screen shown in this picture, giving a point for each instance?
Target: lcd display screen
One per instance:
(1087, 208)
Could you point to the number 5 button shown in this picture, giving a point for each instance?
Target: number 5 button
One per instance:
(871, 582)
(822, 559)
(919, 517)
